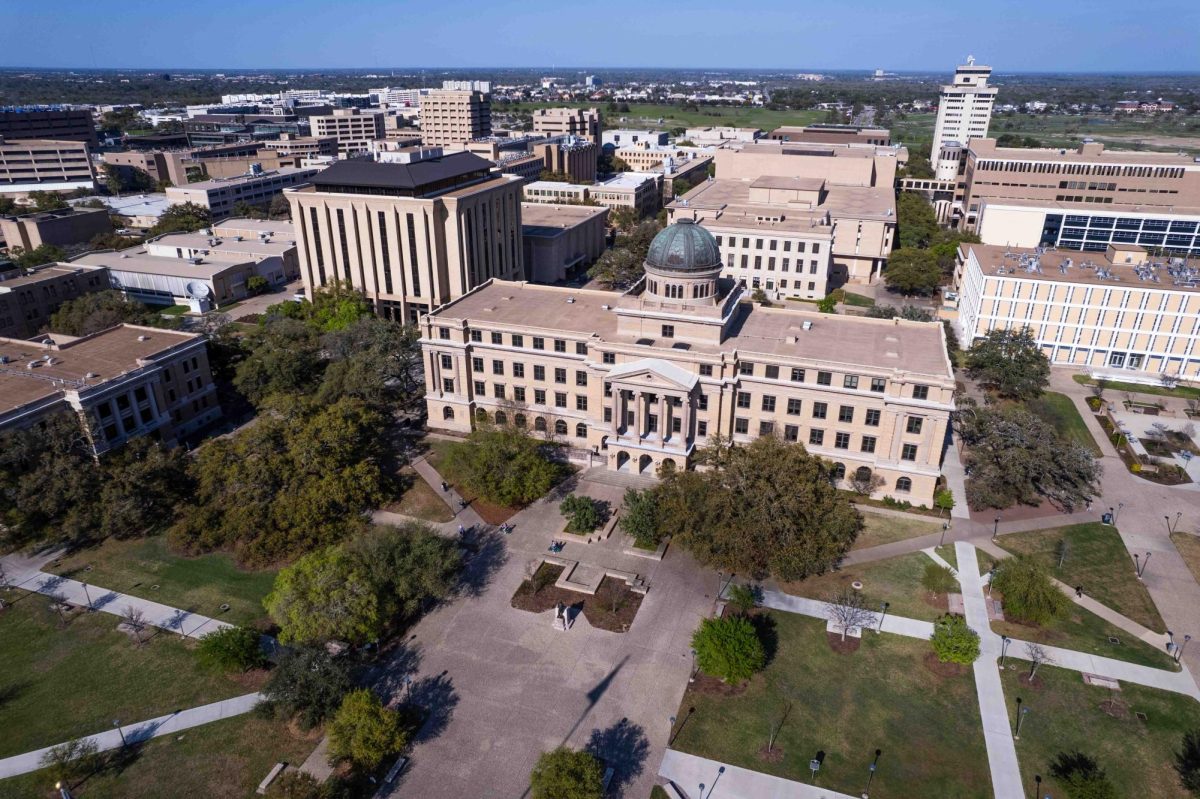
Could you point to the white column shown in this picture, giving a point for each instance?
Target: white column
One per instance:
(662, 418)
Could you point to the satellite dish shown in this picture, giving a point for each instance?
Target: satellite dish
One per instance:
(197, 290)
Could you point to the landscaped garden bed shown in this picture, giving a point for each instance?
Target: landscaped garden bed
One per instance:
(613, 606)
(1162, 473)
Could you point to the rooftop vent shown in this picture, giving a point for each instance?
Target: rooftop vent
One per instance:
(807, 325)
(570, 300)
(143, 338)
(91, 375)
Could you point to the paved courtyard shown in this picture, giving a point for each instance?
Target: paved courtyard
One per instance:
(504, 685)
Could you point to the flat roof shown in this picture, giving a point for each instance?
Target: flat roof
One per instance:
(266, 174)
(986, 148)
(227, 248)
(1096, 208)
(107, 354)
(282, 228)
(780, 147)
(779, 182)
(1076, 266)
(550, 219)
(832, 338)
(733, 195)
(133, 204)
(136, 259)
(627, 180)
(371, 174)
(40, 274)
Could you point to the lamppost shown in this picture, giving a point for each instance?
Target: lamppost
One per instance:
(945, 527)
(1140, 565)
(670, 730)
(88, 595)
(1037, 785)
(692, 673)
(117, 725)
(1020, 718)
(991, 576)
(882, 616)
(871, 774)
(995, 528)
(1167, 519)
(1179, 650)
(63, 792)
(1004, 642)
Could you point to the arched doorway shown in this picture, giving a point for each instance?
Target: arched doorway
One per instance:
(623, 462)
(645, 463)
(501, 418)
(838, 473)
(447, 412)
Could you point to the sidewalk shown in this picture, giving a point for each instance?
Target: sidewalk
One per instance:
(141, 731)
(689, 773)
(897, 625)
(466, 516)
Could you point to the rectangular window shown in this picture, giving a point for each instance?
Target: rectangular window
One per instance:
(841, 441)
(609, 357)
(447, 362)
(581, 378)
(497, 367)
(668, 331)
(477, 364)
(447, 385)
(702, 402)
(797, 375)
(539, 396)
(560, 399)
(497, 338)
(850, 381)
(878, 384)
(791, 432)
(444, 332)
(580, 348)
(580, 403)
(772, 372)
(793, 407)
(872, 418)
(539, 343)
(816, 437)
(920, 392)
(518, 340)
(498, 390)
(820, 410)
(519, 393)
(706, 370)
(908, 452)
(868, 444)
(560, 345)
(824, 378)
(701, 429)
(745, 368)
(518, 370)
(743, 399)
(480, 388)
(768, 404)
(914, 424)
(476, 336)
(539, 372)
(741, 426)
(846, 414)
(766, 428)
(560, 375)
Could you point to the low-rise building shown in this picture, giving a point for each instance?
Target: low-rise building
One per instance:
(1120, 314)
(60, 227)
(585, 122)
(679, 177)
(141, 211)
(44, 165)
(615, 138)
(257, 187)
(123, 383)
(646, 157)
(641, 191)
(304, 146)
(645, 378)
(198, 282)
(715, 136)
(569, 155)
(270, 245)
(28, 297)
(837, 164)
(561, 241)
(823, 133)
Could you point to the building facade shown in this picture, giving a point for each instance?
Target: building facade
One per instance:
(561, 241)
(257, 187)
(59, 227)
(643, 379)
(304, 146)
(411, 236)
(833, 134)
(570, 156)
(44, 165)
(353, 128)
(585, 122)
(964, 112)
(455, 117)
(29, 298)
(40, 122)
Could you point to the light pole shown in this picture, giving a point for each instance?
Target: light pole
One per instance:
(1167, 519)
(1004, 642)
(945, 527)
(1020, 718)
(995, 528)
(63, 791)
(1179, 650)
(692, 673)
(1120, 505)
(1141, 567)
(882, 616)
(871, 774)
(117, 725)
(1037, 785)
(88, 595)
(991, 576)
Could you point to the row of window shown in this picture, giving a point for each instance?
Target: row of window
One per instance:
(816, 437)
(772, 244)
(785, 266)
(518, 370)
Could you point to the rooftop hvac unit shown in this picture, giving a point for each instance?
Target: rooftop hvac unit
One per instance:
(807, 325)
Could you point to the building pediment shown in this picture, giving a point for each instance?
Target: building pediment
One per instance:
(654, 372)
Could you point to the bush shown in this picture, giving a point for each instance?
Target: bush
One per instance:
(954, 641)
(1187, 761)
(743, 598)
(639, 517)
(364, 732)
(1081, 777)
(938, 579)
(1029, 592)
(256, 284)
(582, 513)
(728, 648)
(232, 648)
(503, 465)
(567, 774)
(309, 684)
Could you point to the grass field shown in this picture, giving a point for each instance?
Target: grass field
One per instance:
(1179, 392)
(419, 500)
(885, 529)
(1059, 411)
(200, 584)
(223, 760)
(1084, 631)
(1066, 715)
(896, 581)
(1188, 546)
(60, 683)
(948, 554)
(1096, 558)
(847, 706)
(665, 117)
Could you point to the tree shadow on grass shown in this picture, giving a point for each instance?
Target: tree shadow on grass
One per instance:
(624, 747)
(765, 627)
(10, 692)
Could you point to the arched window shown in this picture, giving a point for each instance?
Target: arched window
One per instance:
(519, 420)
(839, 472)
(581, 430)
(501, 418)
(447, 412)
(539, 424)
(560, 427)
(480, 415)
(862, 474)
(904, 485)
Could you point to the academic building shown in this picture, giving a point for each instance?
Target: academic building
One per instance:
(412, 235)
(453, 118)
(644, 378)
(1121, 314)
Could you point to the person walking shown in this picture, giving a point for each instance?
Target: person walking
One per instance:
(1079, 592)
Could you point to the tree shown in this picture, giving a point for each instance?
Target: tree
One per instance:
(407, 566)
(256, 284)
(1081, 777)
(283, 358)
(623, 218)
(1015, 457)
(1009, 362)
(280, 208)
(503, 465)
(912, 271)
(245, 210)
(909, 312)
(743, 598)
(1037, 656)
(121, 179)
(1187, 761)
(954, 641)
(848, 610)
(232, 648)
(582, 514)
(1029, 593)
(616, 268)
(916, 222)
(375, 360)
(938, 579)
(728, 648)
(322, 597)
(46, 200)
(365, 732)
(864, 482)
(91, 313)
(763, 509)
(944, 500)
(308, 684)
(135, 619)
(567, 774)
(181, 218)
(42, 254)
(72, 760)
(639, 517)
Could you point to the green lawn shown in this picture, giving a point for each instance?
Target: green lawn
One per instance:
(648, 115)
(1084, 631)
(879, 529)
(1179, 392)
(1096, 559)
(419, 499)
(847, 706)
(1188, 546)
(657, 792)
(896, 581)
(1066, 715)
(948, 554)
(200, 584)
(1060, 412)
(850, 298)
(60, 683)
(224, 760)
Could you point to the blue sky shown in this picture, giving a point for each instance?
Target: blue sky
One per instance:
(1011, 35)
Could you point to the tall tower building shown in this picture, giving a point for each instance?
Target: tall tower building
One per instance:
(964, 113)
(451, 118)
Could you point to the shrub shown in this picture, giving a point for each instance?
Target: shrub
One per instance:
(582, 514)
(1081, 777)
(743, 598)
(938, 579)
(728, 648)
(1187, 761)
(308, 683)
(567, 774)
(639, 517)
(256, 284)
(364, 732)
(1029, 593)
(231, 648)
(954, 641)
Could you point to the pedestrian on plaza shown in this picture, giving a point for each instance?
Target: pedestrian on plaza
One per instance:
(446, 488)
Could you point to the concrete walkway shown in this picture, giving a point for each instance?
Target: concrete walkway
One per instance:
(466, 516)
(142, 731)
(187, 624)
(690, 774)
(898, 625)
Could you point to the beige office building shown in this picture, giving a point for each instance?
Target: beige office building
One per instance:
(60, 227)
(641, 191)
(561, 241)
(221, 195)
(837, 164)
(833, 134)
(964, 113)
(303, 146)
(643, 379)
(570, 156)
(585, 122)
(646, 156)
(453, 118)
(44, 165)
(353, 128)
(1120, 314)
(411, 236)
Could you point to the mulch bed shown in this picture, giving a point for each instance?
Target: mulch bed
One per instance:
(770, 756)
(842, 647)
(943, 669)
(937, 601)
(1035, 683)
(707, 684)
(597, 609)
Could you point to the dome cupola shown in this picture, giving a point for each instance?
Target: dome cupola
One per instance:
(683, 264)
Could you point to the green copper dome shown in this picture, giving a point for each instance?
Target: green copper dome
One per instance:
(683, 247)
